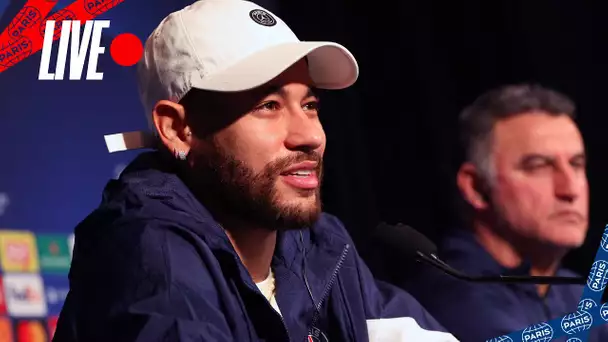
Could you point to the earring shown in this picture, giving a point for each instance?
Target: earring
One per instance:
(181, 155)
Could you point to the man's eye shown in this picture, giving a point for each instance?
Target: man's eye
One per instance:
(313, 105)
(535, 165)
(270, 105)
(578, 163)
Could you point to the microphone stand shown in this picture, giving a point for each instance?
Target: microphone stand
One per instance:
(436, 262)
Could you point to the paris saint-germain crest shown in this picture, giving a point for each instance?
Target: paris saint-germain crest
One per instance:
(317, 335)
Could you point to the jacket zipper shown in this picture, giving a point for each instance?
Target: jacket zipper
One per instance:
(327, 289)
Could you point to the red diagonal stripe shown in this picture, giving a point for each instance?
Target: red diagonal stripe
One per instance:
(25, 34)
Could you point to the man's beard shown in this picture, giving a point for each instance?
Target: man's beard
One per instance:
(229, 187)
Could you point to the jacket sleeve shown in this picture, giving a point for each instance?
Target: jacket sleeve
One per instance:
(391, 313)
(448, 298)
(394, 315)
(134, 283)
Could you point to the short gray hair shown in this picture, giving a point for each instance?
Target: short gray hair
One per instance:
(477, 121)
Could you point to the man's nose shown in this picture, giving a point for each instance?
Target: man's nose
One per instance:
(304, 132)
(567, 183)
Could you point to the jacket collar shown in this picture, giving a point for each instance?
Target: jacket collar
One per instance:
(460, 249)
(464, 251)
(155, 184)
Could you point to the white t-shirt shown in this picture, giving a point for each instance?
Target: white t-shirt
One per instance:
(267, 287)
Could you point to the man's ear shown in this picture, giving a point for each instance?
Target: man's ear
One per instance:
(472, 186)
(170, 122)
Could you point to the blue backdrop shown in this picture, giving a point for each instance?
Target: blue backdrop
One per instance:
(54, 163)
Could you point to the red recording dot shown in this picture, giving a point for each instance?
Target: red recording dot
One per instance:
(126, 49)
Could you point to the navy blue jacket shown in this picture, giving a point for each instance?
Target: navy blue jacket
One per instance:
(477, 312)
(151, 264)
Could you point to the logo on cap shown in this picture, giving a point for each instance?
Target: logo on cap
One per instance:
(262, 17)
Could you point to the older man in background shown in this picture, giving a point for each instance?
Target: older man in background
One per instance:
(525, 184)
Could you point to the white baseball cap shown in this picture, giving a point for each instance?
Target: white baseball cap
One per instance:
(227, 46)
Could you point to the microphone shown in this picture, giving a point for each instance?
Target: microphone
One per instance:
(408, 242)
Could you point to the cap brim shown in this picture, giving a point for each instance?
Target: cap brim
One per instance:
(331, 66)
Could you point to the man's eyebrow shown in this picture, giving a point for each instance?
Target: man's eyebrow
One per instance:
(311, 93)
(279, 90)
(527, 158)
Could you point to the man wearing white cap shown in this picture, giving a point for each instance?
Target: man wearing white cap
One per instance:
(218, 235)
